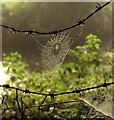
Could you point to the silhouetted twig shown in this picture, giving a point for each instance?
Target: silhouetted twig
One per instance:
(17, 100)
(44, 105)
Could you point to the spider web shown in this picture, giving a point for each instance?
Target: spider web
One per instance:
(55, 50)
(93, 100)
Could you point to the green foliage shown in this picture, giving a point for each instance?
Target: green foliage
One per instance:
(89, 69)
(16, 67)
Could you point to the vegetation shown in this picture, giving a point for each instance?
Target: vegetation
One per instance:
(90, 67)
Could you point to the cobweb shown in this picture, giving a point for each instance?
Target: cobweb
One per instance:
(102, 101)
(55, 50)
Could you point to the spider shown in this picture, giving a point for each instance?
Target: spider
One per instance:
(55, 51)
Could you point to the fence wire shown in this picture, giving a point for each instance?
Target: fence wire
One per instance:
(79, 23)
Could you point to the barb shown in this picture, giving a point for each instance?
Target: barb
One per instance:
(79, 22)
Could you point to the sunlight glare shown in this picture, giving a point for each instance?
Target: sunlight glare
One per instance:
(3, 75)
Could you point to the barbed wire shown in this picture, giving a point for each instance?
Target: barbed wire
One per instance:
(79, 23)
(21, 105)
(52, 95)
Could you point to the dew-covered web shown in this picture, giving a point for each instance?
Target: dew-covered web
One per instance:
(101, 100)
(55, 50)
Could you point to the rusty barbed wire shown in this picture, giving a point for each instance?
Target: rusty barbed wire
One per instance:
(79, 23)
(52, 95)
